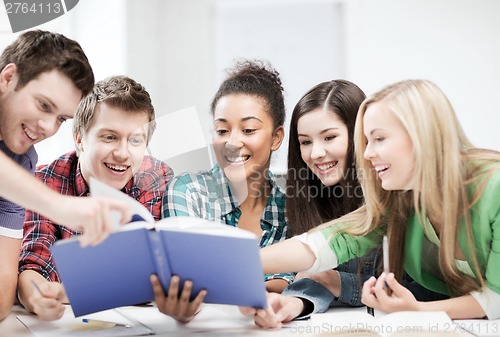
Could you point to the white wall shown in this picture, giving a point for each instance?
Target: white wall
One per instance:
(169, 46)
(99, 28)
(455, 43)
(304, 54)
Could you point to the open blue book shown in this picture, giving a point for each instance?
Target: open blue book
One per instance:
(222, 259)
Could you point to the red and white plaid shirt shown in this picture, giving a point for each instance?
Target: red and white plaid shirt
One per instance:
(64, 176)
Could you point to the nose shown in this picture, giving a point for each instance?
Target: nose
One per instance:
(369, 152)
(121, 151)
(317, 151)
(234, 141)
(49, 125)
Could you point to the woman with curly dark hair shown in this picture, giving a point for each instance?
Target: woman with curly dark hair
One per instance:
(248, 114)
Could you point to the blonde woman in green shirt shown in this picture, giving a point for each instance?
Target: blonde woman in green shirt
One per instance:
(434, 195)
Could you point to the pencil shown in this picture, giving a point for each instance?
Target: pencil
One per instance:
(104, 324)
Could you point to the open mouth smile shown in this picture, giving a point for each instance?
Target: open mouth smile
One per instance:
(381, 169)
(323, 167)
(30, 134)
(237, 159)
(117, 168)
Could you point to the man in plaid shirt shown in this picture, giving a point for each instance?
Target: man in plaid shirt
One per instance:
(112, 128)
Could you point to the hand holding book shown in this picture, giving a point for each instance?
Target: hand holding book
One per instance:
(117, 272)
(174, 304)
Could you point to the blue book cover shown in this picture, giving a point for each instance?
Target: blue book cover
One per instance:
(109, 275)
(221, 259)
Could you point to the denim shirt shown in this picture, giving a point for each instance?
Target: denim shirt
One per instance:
(208, 195)
(352, 273)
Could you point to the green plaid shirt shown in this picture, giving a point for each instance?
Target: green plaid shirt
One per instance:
(207, 195)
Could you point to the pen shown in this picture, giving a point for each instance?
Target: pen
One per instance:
(385, 251)
(37, 287)
(104, 324)
(385, 261)
(385, 248)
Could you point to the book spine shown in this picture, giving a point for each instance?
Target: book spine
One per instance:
(160, 259)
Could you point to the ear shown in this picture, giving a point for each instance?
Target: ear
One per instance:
(8, 77)
(78, 142)
(278, 136)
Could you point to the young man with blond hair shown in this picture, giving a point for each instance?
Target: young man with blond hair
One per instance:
(112, 128)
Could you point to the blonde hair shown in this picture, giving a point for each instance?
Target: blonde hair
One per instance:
(446, 163)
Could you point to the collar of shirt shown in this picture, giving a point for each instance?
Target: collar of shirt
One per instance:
(229, 205)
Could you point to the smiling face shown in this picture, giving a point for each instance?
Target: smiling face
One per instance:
(36, 111)
(113, 148)
(389, 147)
(323, 140)
(244, 136)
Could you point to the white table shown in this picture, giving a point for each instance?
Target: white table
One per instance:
(213, 320)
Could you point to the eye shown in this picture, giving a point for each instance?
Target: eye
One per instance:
(379, 139)
(108, 138)
(62, 119)
(136, 141)
(43, 106)
(329, 138)
(221, 131)
(248, 131)
(305, 142)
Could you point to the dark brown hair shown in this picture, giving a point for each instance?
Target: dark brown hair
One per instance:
(37, 51)
(305, 211)
(258, 79)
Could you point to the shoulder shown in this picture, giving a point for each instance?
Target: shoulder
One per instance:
(150, 163)
(484, 192)
(153, 166)
(489, 177)
(192, 182)
(153, 174)
(64, 166)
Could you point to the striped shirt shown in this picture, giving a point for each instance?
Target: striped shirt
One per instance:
(11, 214)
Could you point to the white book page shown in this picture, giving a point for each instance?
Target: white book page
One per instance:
(100, 189)
(217, 317)
(70, 326)
(416, 322)
(202, 226)
(212, 318)
(357, 320)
